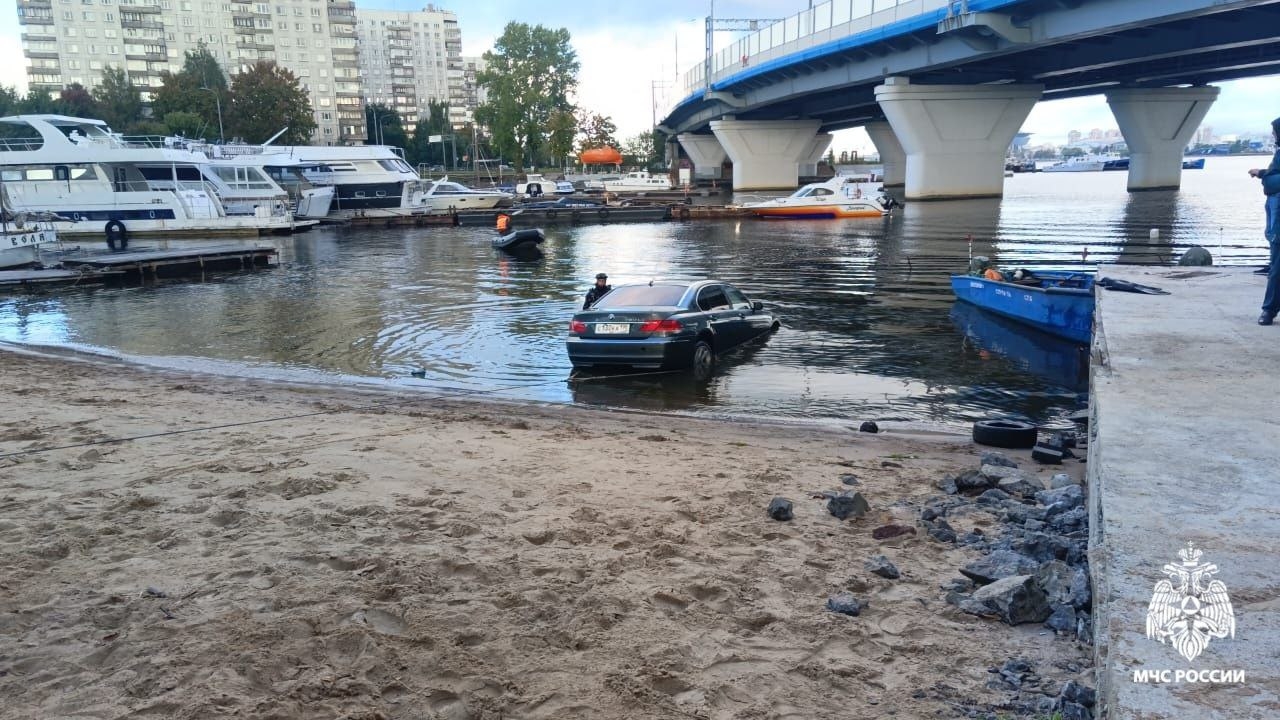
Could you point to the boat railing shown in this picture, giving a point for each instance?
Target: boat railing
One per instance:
(21, 144)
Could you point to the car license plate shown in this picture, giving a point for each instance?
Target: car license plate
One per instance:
(613, 328)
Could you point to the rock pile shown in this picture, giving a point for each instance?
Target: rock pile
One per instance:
(1036, 569)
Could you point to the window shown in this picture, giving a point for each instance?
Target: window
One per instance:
(185, 5)
(736, 297)
(109, 17)
(113, 50)
(642, 296)
(91, 32)
(73, 64)
(95, 64)
(68, 15)
(315, 27)
(712, 298)
(109, 33)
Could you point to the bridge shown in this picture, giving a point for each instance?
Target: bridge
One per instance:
(942, 86)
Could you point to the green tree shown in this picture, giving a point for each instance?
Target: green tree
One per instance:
(37, 102)
(531, 72)
(188, 125)
(76, 101)
(266, 99)
(200, 88)
(384, 127)
(1070, 152)
(119, 100)
(419, 148)
(560, 133)
(9, 100)
(595, 130)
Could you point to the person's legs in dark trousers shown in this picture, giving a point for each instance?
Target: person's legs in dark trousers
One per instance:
(1271, 301)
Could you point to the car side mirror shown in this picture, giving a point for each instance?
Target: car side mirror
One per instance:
(756, 306)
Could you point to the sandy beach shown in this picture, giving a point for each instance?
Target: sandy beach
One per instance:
(460, 559)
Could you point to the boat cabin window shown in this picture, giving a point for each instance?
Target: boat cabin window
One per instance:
(712, 298)
(395, 166)
(62, 173)
(184, 173)
(242, 177)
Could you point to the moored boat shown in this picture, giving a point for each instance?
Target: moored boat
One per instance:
(1057, 302)
(524, 240)
(22, 235)
(638, 181)
(840, 197)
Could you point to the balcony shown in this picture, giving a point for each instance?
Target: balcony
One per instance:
(142, 24)
(145, 9)
(26, 19)
(148, 56)
(344, 17)
(42, 54)
(243, 29)
(254, 45)
(35, 4)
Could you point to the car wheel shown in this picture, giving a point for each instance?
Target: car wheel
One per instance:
(704, 361)
(1005, 433)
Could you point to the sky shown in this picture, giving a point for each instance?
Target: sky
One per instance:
(630, 51)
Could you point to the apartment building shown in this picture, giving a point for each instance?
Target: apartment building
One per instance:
(70, 41)
(408, 59)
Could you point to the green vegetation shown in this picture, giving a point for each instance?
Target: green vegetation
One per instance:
(258, 103)
(531, 72)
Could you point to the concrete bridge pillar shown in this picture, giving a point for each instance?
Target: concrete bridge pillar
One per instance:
(892, 156)
(817, 148)
(955, 136)
(765, 153)
(1157, 123)
(705, 152)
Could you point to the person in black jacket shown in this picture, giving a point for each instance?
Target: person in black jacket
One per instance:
(1270, 177)
(597, 291)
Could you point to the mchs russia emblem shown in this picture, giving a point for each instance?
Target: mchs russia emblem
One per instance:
(1191, 607)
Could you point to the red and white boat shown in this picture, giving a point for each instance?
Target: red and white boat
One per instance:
(842, 196)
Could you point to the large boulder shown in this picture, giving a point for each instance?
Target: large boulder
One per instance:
(1015, 600)
(998, 565)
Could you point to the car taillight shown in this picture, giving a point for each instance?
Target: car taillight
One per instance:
(577, 327)
(661, 326)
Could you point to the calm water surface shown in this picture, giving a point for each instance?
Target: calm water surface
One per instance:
(869, 328)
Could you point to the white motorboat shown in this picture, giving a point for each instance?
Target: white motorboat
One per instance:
(638, 181)
(536, 185)
(98, 182)
(443, 196)
(22, 235)
(840, 197)
(1079, 163)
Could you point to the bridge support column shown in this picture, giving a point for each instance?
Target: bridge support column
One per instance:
(892, 156)
(813, 155)
(765, 153)
(955, 136)
(1157, 123)
(705, 152)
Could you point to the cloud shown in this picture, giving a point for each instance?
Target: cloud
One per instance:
(13, 66)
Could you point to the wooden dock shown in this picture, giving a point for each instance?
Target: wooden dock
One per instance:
(146, 263)
(28, 280)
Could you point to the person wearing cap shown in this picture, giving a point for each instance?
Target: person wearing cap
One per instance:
(597, 291)
(1270, 177)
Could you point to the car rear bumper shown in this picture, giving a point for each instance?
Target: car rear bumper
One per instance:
(649, 353)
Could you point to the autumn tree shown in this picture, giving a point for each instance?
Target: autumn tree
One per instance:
(596, 131)
(199, 88)
(530, 74)
(265, 99)
(119, 100)
(76, 101)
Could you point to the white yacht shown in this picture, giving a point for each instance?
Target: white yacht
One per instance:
(536, 185)
(97, 182)
(1079, 163)
(842, 196)
(367, 179)
(443, 196)
(638, 181)
(307, 199)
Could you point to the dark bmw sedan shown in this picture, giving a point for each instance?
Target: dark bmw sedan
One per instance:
(666, 325)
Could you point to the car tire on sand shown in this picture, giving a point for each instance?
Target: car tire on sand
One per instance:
(1005, 433)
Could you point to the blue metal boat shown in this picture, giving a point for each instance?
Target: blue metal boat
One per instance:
(1056, 302)
(1196, 164)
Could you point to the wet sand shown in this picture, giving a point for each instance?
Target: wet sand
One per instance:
(462, 560)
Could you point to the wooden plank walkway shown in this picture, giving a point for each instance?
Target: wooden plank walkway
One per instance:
(166, 257)
(19, 279)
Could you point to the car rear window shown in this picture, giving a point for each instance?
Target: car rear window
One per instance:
(642, 296)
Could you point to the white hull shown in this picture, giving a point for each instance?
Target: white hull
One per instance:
(315, 203)
(1075, 167)
(21, 247)
(197, 227)
(640, 181)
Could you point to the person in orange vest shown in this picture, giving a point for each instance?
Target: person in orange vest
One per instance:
(504, 223)
(993, 274)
